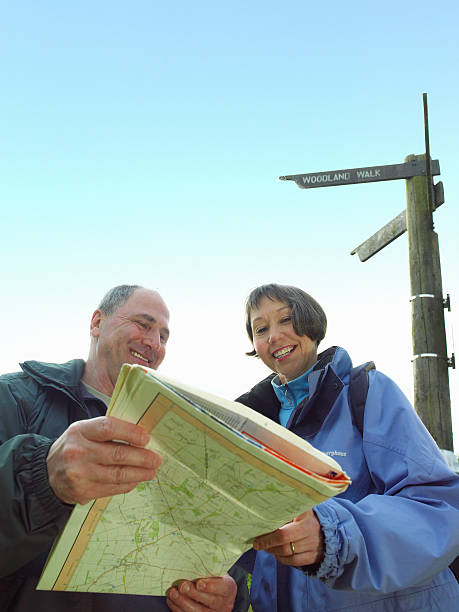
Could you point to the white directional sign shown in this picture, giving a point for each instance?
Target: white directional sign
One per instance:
(369, 174)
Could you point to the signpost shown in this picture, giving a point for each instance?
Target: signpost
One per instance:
(371, 174)
(430, 361)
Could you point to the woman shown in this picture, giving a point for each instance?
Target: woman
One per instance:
(384, 544)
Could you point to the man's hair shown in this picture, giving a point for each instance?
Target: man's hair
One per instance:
(308, 317)
(116, 297)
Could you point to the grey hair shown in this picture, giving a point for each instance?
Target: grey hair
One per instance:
(116, 297)
(308, 316)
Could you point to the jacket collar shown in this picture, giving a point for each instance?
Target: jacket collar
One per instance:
(325, 384)
(63, 375)
(335, 358)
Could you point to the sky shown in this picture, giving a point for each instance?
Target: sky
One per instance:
(141, 143)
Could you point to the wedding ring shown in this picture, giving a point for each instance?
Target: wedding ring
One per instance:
(292, 546)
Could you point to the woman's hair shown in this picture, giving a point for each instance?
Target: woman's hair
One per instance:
(308, 317)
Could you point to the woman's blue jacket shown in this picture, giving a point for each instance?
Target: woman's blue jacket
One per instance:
(390, 536)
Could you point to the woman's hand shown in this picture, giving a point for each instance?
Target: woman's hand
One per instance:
(298, 543)
(202, 595)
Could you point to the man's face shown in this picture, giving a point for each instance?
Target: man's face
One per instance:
(136, 332)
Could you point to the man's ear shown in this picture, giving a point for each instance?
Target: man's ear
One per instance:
(96, 321)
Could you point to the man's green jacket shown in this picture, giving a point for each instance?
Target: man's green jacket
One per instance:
(36, 407)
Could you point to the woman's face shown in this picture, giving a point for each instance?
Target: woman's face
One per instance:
(277, 343)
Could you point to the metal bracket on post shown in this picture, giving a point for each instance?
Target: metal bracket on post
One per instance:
(422, 295)
(447, 303)
(451, 361)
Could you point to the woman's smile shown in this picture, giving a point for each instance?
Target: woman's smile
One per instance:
(284, 352)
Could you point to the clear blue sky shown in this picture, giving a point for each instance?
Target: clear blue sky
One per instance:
(141, 142)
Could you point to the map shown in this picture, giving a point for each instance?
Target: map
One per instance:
(213, 494)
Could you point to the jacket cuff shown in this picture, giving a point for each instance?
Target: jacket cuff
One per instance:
(51, 505)
(329, 567)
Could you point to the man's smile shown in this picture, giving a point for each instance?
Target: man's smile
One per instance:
(140, 356)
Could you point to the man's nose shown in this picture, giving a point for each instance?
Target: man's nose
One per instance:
(152, 339)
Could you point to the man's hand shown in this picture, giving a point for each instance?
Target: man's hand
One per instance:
(85, 462)
(298, 543)
(203, 595)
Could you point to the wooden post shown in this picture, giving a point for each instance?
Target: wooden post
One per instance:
(430, 360)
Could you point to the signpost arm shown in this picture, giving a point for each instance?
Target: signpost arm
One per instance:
(387, 234)
(430, 362)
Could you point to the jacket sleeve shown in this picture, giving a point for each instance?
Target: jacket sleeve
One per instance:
(30, 514)
(409, 531)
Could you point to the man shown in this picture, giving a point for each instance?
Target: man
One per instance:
(57, 449)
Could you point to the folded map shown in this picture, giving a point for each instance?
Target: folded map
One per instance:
(228, 474)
